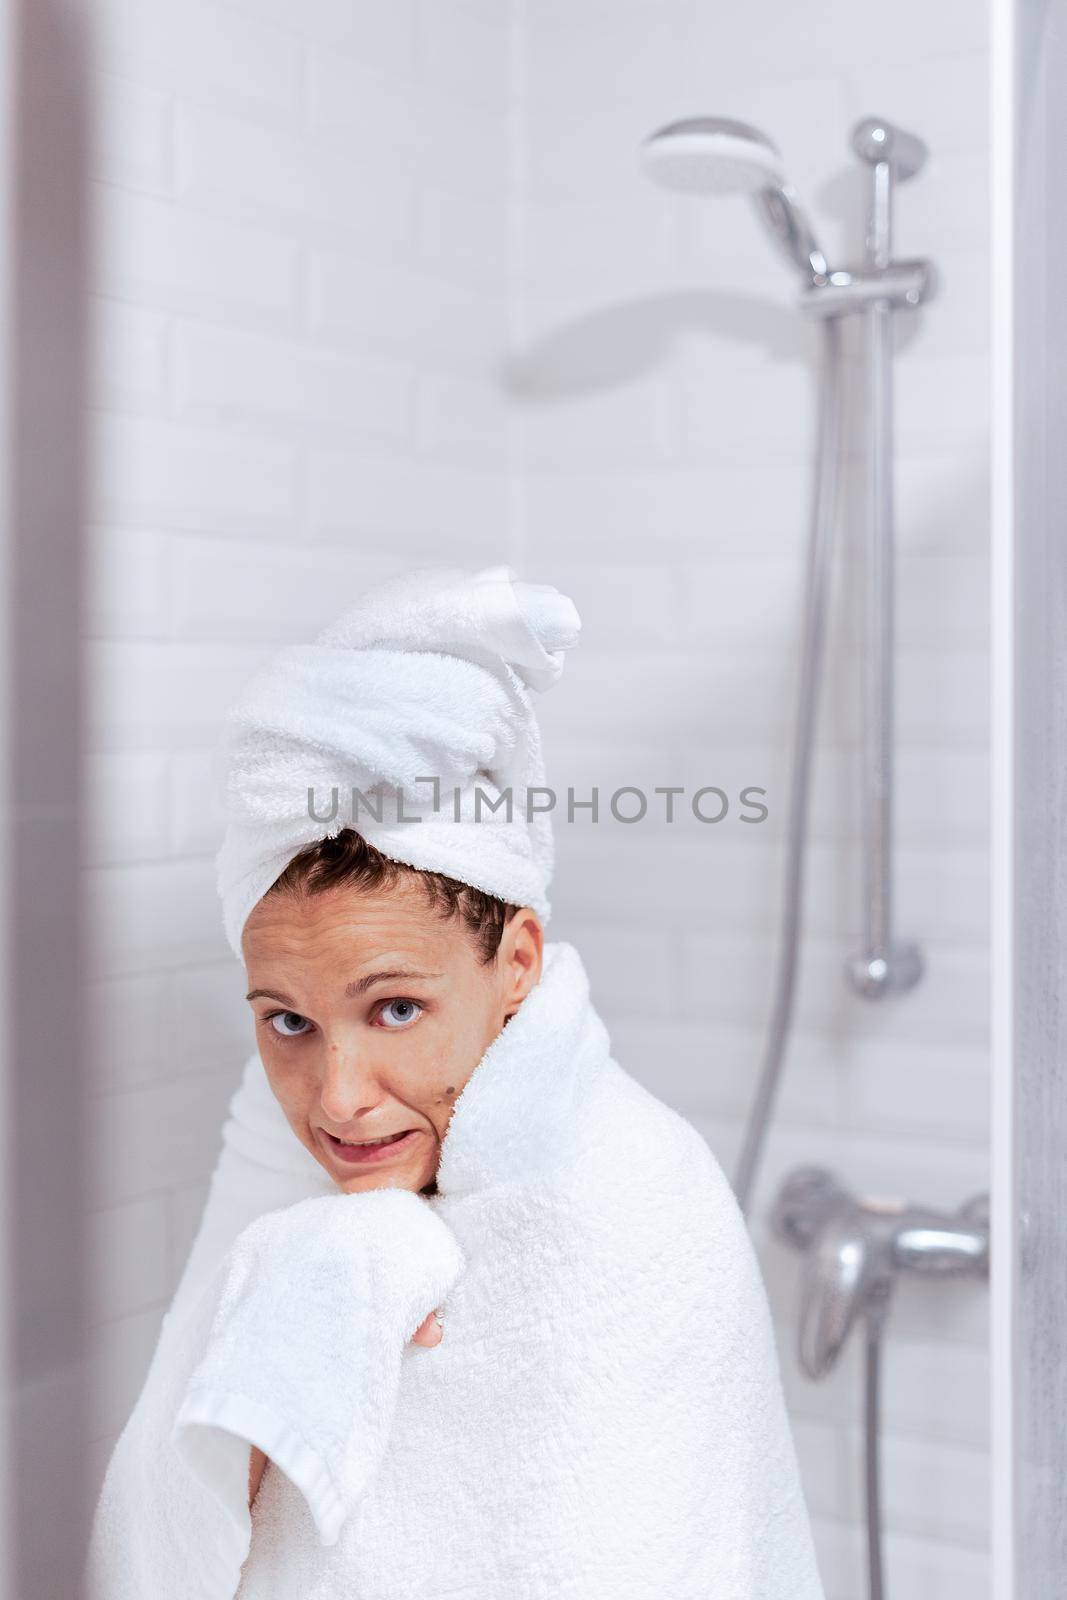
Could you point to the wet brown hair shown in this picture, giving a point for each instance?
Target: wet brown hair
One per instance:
(346, 858)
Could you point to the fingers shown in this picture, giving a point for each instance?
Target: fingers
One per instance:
(430, 1331)
(257, 1463)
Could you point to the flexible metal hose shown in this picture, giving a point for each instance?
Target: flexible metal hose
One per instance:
(874, 1323)
(820, 551)
(817, 588)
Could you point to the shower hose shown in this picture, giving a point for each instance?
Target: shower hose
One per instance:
(816, 599)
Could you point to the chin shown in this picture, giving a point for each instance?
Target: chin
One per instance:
(381, 1180)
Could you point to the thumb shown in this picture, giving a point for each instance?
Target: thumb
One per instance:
(429, 1332)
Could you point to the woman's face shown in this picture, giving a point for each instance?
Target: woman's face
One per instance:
(372, 1011)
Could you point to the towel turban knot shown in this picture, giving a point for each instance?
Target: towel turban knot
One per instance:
(415, 699)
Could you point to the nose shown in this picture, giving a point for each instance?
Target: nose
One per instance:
(350, 1085)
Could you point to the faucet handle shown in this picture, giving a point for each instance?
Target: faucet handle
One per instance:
(808, 1197)
(849, 1270)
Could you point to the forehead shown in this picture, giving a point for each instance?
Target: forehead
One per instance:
(355, 927)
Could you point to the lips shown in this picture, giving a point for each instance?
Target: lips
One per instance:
(361, 1152)
(388, 1138)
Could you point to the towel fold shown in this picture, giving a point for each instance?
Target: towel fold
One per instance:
(295, 1344)
(317, 1305)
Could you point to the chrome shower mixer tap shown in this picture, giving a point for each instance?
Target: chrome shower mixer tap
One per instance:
(857, 1244)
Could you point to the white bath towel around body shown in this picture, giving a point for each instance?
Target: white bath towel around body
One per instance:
(603, 1420)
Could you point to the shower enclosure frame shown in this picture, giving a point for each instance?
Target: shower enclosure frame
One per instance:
(1028, 54)
(45, 1234)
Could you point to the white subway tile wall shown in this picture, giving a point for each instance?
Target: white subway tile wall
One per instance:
(301, 301)
(381, 283)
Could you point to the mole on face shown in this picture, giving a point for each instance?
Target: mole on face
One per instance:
(451, 1089)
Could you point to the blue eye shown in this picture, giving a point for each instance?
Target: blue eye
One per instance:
(404, 1013)
(287, 1016)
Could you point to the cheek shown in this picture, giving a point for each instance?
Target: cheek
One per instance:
(439, 1099)
(445, 1066)
(423, 1077)
(292, 1084)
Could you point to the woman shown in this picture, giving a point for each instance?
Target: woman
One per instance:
(433, 1122)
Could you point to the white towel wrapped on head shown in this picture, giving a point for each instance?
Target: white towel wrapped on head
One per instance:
(427, 677)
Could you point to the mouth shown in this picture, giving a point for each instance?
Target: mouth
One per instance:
(369, 1151)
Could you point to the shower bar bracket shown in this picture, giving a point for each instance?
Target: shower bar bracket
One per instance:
(902, 285)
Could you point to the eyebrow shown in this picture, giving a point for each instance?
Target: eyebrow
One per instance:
(353, 990)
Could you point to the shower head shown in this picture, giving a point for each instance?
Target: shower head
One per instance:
(717, 155)
(712, 155)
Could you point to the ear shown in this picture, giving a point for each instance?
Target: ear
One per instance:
(521, 952)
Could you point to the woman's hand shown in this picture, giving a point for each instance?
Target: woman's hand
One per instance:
(429, 1332)
(256, 1466)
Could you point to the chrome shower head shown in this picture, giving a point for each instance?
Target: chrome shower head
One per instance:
(718, 155)
(712, 155)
